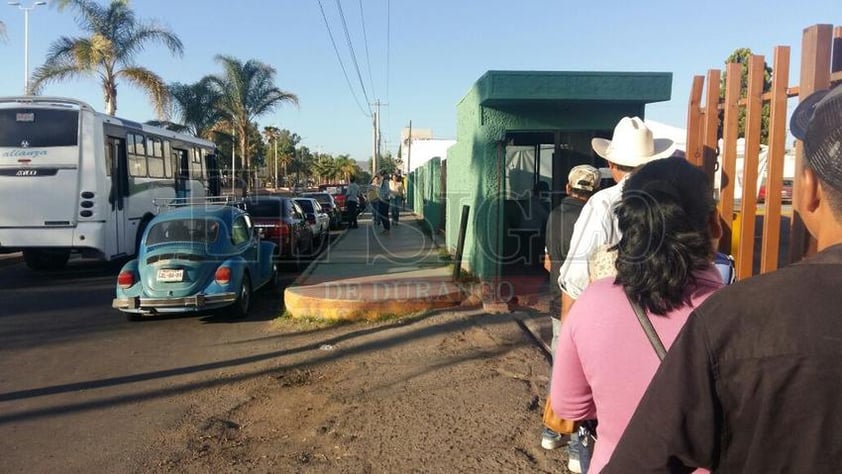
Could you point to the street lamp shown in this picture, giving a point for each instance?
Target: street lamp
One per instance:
(26, 11)
(276, 162)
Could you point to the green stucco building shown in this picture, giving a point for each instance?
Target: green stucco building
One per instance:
(516, 129)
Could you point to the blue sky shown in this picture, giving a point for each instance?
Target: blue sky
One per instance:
(436, 50)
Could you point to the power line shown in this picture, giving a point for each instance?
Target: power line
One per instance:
(351, 48)
(341, 64)
(367, 56)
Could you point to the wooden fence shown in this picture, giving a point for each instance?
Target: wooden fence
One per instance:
(821, 66)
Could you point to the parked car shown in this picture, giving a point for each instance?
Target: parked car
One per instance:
(329, 206)
(282, 221)
(338, 193)
(196, 258)
(786, 192)
(319, 220)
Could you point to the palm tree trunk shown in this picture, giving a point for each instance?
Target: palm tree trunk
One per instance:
(245, 161)
(109, 89)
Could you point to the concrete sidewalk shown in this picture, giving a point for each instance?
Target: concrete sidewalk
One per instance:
(369, 274)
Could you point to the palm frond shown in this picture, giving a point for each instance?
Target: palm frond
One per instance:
(145, 33)
(47, 73)
(152, 84)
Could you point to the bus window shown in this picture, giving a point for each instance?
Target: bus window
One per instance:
(38, 128)
(196, 171)
(168, 162)
(156, 157)
(139, 145)
(137, 156)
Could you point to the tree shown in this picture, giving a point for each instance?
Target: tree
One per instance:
(389, 163)
(247, 91)
(271, 150)
(743, 56)
(108, 53)
(346, 167)
(197, 106)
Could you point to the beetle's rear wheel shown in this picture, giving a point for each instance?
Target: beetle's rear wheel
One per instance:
(241, 306)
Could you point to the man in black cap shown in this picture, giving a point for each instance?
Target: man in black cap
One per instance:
(752, 383)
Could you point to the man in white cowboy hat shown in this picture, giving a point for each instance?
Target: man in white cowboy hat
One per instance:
(631, 146)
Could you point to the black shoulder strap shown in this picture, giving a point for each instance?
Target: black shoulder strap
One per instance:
(651, 334)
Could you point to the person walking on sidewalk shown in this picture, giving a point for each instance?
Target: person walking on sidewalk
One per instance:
(383, 196)
(582, 182)
(396, 189)
(373, 199)
(352, 201)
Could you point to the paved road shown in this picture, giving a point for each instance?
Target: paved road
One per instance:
(84, 390)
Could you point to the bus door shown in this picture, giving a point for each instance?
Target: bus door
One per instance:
(182, 173)
(123, 241)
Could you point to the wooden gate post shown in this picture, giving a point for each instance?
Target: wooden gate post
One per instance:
(815, 75)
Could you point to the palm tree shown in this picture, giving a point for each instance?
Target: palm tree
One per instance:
(197, 106)
(116, 37)
(247, 91)
(346, 166)
(272, 134)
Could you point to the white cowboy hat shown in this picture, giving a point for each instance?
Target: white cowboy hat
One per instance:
(632, 144)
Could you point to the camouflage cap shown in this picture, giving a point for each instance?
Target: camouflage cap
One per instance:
(584, 178)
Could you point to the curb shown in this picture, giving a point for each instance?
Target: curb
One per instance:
(300, 306)
(311, 267)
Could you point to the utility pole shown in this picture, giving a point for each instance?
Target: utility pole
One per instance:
(275, 183)
(377, 136)
(233, 156)
(409, 149)
(374, 145)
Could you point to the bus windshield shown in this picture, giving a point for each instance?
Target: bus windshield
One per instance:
(38, 128)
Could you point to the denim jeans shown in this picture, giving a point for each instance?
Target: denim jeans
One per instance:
(397, 205)
(582, 443)
(384, 214)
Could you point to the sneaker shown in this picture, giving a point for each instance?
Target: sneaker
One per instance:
(551, 440)
(573, 464)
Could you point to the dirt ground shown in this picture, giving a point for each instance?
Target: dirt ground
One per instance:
(449, 391)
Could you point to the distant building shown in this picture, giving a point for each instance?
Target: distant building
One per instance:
(421, 150)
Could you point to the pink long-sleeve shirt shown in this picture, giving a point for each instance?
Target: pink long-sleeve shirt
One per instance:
(604, 361)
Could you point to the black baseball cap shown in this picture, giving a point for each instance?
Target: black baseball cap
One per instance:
(817, 121)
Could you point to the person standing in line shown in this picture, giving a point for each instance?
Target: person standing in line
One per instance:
(582, 182)
(632, 145)
(396, 189)
(373, 199)
(670, 230)
(752, 382)
(352, 201)
(384, 198)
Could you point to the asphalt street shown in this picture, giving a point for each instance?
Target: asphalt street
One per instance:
(83, 390)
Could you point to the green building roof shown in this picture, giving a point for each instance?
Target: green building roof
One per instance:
(497, 88)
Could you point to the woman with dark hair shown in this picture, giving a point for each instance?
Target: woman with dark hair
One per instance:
(604, 360)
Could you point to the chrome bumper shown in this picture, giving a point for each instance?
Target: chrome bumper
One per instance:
(139, 304)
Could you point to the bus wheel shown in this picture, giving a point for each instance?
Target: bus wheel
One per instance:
(46, 259)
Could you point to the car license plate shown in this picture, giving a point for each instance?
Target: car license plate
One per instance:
(168, 274)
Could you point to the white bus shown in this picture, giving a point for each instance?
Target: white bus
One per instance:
(73, 179)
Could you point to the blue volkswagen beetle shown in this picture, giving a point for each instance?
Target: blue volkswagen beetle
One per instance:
(196, 258)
